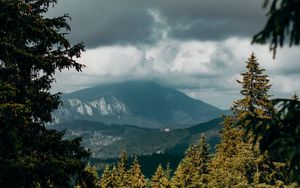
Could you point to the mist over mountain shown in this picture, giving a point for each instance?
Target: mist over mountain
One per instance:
(139, 103)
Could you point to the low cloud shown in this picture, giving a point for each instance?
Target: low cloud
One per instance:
(198, 47)
(204, 70)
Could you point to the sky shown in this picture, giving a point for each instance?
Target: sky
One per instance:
(196, 46)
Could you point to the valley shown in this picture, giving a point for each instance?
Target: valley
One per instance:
(107, 141)
(141, 117)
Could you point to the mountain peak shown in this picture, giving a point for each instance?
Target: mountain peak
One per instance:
(142, 103)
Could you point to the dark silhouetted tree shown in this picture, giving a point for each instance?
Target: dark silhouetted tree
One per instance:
(91, 177)
(33, 47)
(280, 134)
(283, 20)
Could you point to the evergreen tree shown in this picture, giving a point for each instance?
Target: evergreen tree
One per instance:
(122, 170)
(237, 161)
(106, 180)
(192, 170)
(283, 20)
(161, 178)
(280, 135)
(255, 87)
(91, 177)
(256, 103)
(32, 49)
(136, 179)
(114, 179)
(201, 162)
(167, 175)
(109, 178)
(234, 160)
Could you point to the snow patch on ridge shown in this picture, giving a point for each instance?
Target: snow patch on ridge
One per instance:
(109, 106)
(84, 109)
(100, 105)
(74, 108)
(74, 102)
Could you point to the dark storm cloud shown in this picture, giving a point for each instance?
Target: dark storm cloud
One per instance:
(130, 22)
(213, 19)
(100, 22)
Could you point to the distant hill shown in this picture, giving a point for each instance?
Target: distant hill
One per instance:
(140, 103)
(106, 141)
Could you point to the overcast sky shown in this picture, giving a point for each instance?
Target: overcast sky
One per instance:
(196, 46)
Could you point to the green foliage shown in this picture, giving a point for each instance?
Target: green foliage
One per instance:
(32, 49)
(168, 162)
(136, 179)
(105, 180)
(283, 20)
(91, 177)
(122, 170)
(274, 125)
(148, 163)
(234, 160)
(238, 161)
(108, 178)
(280, 135)
(161, 178)
(193, 169)
(123, 177)
(255, 87)
(142, 141)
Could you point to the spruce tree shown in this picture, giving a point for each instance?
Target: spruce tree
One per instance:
(156, 180)
(122, 170)
(255, 87)
(279, 135)
(233, 162)
(167, 173)
(136, 179)
(161, 178)
(193, 169)
(91, 176)
(256, 103)
(115, 180)
(283, 21)
(238, 162)
(106, 180)
(33, 47)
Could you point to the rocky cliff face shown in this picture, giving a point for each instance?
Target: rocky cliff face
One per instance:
(144, 104)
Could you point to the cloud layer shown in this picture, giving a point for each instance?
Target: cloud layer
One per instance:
(140, 22)
(198, 47)
(204, 70)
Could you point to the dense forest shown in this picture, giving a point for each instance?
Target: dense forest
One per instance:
(259, 144)
(238, 160)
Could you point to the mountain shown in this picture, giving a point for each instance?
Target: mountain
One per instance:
(106, 141)
(140, 103)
